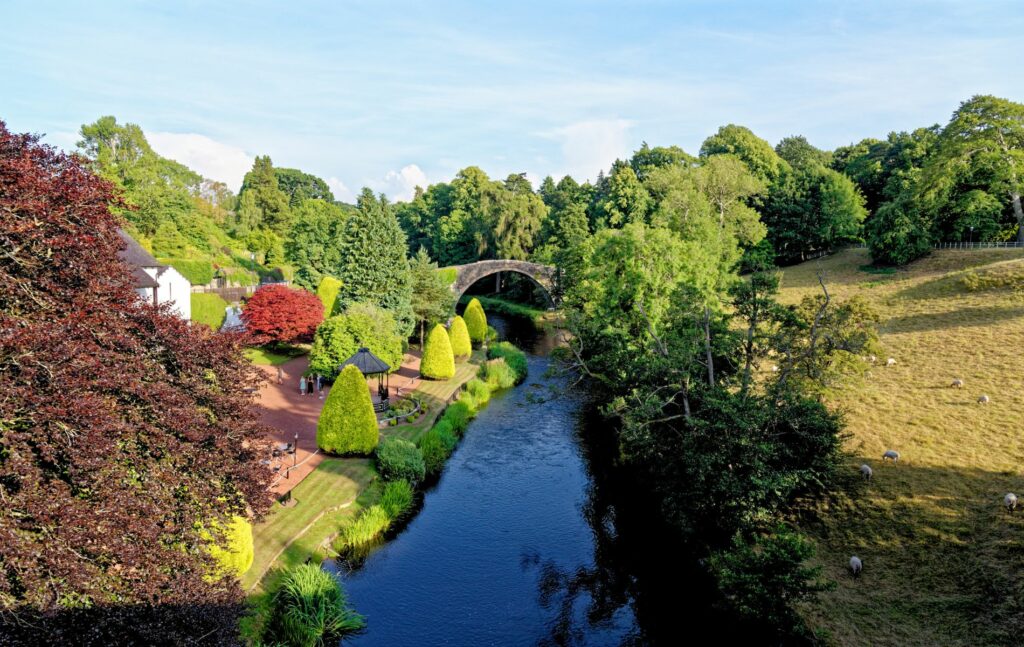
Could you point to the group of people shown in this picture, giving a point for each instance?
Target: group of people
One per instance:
(307, 385)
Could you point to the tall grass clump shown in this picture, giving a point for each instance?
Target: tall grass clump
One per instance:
(479, 390)
(310, 608)
(399, 459)
(364, 532)
(515, 358)
(498, 374)
(458, 415)
(437, 445)
(397, 498)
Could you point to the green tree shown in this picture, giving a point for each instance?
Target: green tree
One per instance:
(626, 200)
(462, 347)
(373, 266)
(361, 325)
(756, 153)
(269, 199)
(438, 361)
(647, 159)
(299, 186)
(799, 152)
(432, 299)
(313, 244)
(476, 321)
(347, 424)
(520, 215)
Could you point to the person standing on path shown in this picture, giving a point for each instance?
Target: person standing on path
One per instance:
(302, 385)
(280, 375)
(309, 385)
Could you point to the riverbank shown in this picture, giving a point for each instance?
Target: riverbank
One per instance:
(540, 318)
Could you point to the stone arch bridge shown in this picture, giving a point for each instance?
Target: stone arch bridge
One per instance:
(542, 275)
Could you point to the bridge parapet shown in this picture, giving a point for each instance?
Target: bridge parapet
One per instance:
(470, 273)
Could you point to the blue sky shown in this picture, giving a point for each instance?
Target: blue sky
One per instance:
(390, 95)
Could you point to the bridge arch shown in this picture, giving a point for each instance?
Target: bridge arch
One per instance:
(542, 275)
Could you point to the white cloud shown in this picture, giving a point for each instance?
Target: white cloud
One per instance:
(210, 158)
(591, 146)
(340, 191)
(401, 185)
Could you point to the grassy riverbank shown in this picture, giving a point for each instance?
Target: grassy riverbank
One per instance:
(540, 317)
(943, 560)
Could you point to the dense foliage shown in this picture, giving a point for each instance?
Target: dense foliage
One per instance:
(283, 315)
(234, 552)
(399, 459)
(476, 321)
(438, 361)
(310, 608)
(432, 299)
(462, 347)
(347, 423)
(327, 292)
(362, 325)
(127, 434)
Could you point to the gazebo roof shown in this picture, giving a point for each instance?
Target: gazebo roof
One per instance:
(366, 362)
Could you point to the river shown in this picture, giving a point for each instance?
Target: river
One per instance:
(518, 543)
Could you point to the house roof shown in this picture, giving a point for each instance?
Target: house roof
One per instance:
(366, 362)
(137, 258)
(143, 280)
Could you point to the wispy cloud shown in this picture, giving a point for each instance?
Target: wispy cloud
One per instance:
(212, 159)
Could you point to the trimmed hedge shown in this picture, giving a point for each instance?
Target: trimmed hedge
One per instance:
(327, 291)
(515, 358)
(438, 362)
(476, 321)
(198, 272)
(209, 309)
(399, 459)
(462, 347)
(235, 556)
(347, 423)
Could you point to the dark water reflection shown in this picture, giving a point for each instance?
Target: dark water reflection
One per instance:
(519, 542)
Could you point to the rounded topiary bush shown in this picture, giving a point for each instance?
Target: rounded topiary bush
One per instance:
(438, 361)
(476, 321)
(462, 347)
(347, 423)
(399, 459)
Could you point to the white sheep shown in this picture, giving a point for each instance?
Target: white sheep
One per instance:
(872, 359)
(891, 454)
(856, 565)
(957, 384)
(866, 471)
(775, 368)
(983, 399)
(1010, 501)
(891, 361)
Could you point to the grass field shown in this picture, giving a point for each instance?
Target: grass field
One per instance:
(265, 357)
(209, 309)
(943, 562)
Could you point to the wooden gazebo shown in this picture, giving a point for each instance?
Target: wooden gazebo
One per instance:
(369, 364)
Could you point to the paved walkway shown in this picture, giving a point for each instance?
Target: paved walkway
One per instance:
(288, 412)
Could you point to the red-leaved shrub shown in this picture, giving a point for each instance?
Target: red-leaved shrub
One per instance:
(278, 313)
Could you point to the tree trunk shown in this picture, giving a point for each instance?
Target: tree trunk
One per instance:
(707, 346)
(422, 323)
(1019, 212)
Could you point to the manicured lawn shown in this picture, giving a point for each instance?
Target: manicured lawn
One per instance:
(208, 309)
(435, 394)
(265, 357)
(943, 562)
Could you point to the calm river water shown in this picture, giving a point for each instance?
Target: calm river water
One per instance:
(518, 543)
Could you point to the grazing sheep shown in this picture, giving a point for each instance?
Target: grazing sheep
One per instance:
(891, 361)
(872, 359)
(775, 368)
(891, 454)
(983, 399)
(866, 471)
(957, 384)
(1010, 501)
(856, 565)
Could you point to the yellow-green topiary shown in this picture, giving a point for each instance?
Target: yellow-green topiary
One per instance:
(328, 293)
(476, 321)
(462, 348)
(438, 361)
(235, 556)
(347, 423)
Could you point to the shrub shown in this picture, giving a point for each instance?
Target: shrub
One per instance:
(458, 415)
(515, 358)
(278, 313)
(365, 530)
(399, 459)
(479, 390)
(310, 608)
(347, 423)
(397, 498)
(476, 321)
(437, 445)
(462, 348)
(209, 309)
(438, 362)
(327, 292)
(361, 325)
(235, 553)
(497, 373)
(448, 274)
(492, 334)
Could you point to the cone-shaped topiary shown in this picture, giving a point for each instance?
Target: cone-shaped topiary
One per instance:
(347, 423)
(438, 362)
(476, 321)
(462, 348)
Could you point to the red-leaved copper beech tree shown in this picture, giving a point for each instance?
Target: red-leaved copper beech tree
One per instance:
(278, 313)
(123, 430)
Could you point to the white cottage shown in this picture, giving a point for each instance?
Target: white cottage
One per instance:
(155, 282)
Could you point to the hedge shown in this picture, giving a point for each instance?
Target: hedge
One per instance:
(347, 423)
(209, 309)
(328, 293)
(198, 272)
(462, 348)
(476, 321)
(399, 459)
(438, 362)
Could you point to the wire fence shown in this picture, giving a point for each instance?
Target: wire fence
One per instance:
(1008, 244)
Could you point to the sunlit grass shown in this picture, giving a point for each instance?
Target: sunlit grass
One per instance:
(943, 561)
